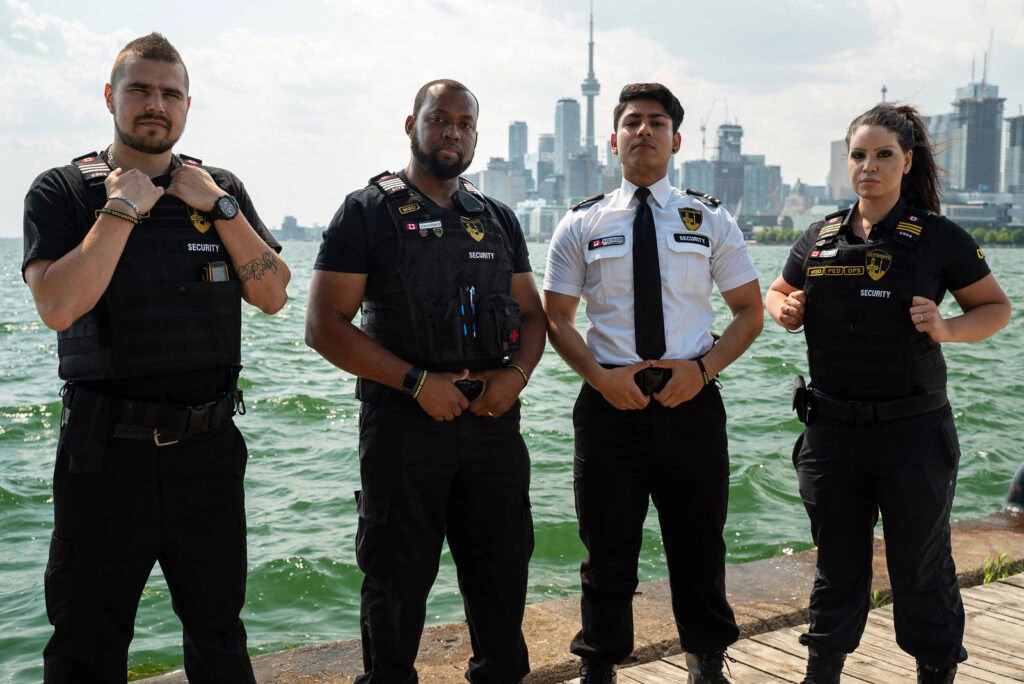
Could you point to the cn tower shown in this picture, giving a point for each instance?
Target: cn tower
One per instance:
(591, 88)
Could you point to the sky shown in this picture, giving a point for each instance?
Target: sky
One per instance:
(306, 100)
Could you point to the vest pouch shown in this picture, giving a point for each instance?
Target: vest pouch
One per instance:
(166, 327)
(86, 430)
(500, 325)
(444, 333)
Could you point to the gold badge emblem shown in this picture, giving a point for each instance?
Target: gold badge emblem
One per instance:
(474, 227)
(878, 263)
(692, 218)
(981, 254)
(408, 208)
(199, 220)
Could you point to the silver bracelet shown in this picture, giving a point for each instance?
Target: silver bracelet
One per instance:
(127, 201)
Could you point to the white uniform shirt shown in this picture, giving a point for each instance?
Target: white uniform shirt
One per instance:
(591, 256)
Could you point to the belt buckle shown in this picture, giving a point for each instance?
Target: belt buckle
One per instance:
(156, 439)
(864, 412)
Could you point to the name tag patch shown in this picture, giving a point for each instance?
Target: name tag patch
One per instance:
(480, 256)
(609, 241)
(203, 247)
(878, 294)
(824, 253)
(695, 238)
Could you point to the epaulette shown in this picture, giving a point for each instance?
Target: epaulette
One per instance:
(191, 161)
(836, 217)
(911, 224)
(469, 187)
(93, 167)
(703, 197)
(389, 183)
(587, 202)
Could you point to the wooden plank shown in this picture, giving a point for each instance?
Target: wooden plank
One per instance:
(997, 592)
(1014, 580)
(737, 671)
(657, 672)
(786, 641)
(1011, 614)
(785, 665)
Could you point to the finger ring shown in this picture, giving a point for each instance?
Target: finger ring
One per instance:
(490, 414)
(920, 317)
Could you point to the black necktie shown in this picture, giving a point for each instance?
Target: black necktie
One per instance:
(648, 315)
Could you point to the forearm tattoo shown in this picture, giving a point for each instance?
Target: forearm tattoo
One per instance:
(255, 269)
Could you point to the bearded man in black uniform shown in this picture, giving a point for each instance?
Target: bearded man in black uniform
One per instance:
(139, 258)
(452, 327)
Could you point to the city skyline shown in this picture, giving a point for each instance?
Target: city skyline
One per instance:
(305, 106)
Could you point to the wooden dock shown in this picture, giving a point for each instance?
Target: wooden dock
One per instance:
(994, 638)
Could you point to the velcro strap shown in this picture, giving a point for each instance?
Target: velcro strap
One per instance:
(861, 412)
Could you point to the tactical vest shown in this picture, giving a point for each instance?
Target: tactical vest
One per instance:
(445, 305)
(861, 342)
(158, 315)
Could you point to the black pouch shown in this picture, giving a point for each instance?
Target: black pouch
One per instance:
(651, 380)
(444, 330)
(500, 325)
(801, 400)
(86, 430)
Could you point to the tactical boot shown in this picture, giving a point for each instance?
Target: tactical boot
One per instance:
(930, 674)
(706, 668)
(596, 673)
(823, 666)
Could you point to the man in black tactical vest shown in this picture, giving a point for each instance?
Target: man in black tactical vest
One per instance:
(452, 327)
(139, 259)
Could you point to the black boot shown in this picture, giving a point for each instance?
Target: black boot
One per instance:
(597, 673)
(823, 665)
(706, 668)
(930, 674)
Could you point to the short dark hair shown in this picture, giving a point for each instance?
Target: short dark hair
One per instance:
(153, 46)
(649, 91)
(421, 94)
(920, 187)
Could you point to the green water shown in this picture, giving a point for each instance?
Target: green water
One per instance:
(301, 431)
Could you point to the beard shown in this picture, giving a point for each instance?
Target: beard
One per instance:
(433, 164)
(145, 142)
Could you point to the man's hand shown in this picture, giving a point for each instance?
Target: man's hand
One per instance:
(136, 186)
(686, 382)
(440, 398)
(195, 187)
(501, 388)
(619, 388)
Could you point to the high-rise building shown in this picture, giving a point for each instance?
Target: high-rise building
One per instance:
(980, 110)
(730, 137)
(760, 187)
(517, 142)
(567, 132)
(947, 138)
(1013, 172)
(838, 176)
(590, 89)
(699, 174)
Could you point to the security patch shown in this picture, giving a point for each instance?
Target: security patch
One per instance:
(878, 294)
(408, 208)
(480, 256)
(203, 247)
(199, 220)
(609, 241)
(877, 263)
(836, 271)
(692, 218)
(981, 254)
(694, 238)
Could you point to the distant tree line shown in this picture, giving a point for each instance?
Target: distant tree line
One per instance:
(983, 236)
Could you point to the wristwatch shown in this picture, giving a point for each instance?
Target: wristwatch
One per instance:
(225, 208)
(411, 381)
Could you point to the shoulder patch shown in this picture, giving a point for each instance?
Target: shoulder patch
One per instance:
(93, 167)
(587, 202)
(836, 217)
(703, 197)
(87, 157)
(389, 183)
(469, 187)
(191, 161)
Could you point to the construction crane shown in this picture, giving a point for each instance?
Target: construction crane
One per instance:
(703, 128)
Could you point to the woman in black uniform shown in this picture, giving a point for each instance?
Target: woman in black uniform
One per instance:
(866, 284)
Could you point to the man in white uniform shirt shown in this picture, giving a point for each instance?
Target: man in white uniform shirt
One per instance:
(649, 420)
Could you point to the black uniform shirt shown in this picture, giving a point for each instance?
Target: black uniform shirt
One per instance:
(948, 258)
(59, 213)
(362, 237)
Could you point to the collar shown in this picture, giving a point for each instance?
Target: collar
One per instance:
(886, 225)
(660, 191)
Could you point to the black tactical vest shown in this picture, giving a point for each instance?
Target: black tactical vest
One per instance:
(445, 305)
(158, 315)
(861, 342)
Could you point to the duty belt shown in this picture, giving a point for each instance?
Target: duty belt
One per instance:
(861, 412)
(167, 424)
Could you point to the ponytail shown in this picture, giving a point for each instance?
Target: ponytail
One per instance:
(920, 186)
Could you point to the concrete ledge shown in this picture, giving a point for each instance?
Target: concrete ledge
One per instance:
(766, 595)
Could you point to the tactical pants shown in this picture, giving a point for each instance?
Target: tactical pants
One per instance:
(907, 470)
(179, 505)
(424, 480)
(679, 458)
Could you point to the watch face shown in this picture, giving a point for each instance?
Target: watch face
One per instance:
(227, 207)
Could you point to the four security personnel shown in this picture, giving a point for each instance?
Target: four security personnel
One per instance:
(140, 258)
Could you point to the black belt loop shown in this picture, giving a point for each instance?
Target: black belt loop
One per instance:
(871, 412)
